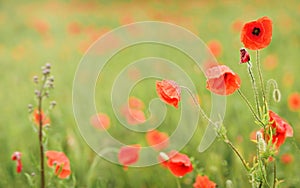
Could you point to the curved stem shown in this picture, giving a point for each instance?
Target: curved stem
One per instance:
(199, 107)
(250, 107)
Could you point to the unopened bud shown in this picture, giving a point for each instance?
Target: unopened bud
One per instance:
(37, 93)
(53, 104)
(260, 142)
(46, 71)
(229, 184)
(276, 95)
(48, 66)
(244, 56)
(36, 79)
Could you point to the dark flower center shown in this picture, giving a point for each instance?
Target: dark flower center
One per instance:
(256, 31)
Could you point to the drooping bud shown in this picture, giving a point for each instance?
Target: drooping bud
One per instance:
(244, 56)
(276, 95)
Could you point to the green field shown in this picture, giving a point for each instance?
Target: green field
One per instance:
(59, 32)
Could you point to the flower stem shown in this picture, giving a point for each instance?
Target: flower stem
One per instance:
(41, 145)
(254, 87)
(178, 183)
(250, 107)
(199, 107)
(237, 153)
(275, 174)
(261, 81)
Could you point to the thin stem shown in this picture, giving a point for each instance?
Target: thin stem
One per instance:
(254, 87)
(275, 174)
(41, 145)
(238, 154)
(250, 107)
(261, 81)
(199, 107)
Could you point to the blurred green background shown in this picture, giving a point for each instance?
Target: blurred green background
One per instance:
(35, 32)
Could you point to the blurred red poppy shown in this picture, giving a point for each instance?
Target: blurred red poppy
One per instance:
(244, 56)
(168, 91)
(100, 121)
(133, 116)
(203, 182)
(215, 47)
(179, 164)
(129, 155)
(294, 101)
(16, 156)
(281, 128)
(257, 34)
(61, 163)
(37, 117)
(135, 103)
(287, 158)
(74, 28)
(158, 140)
(222, 80)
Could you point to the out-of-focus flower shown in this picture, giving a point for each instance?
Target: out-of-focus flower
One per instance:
(222, 80)
(168, 91)
(287, 158)
(215, 47)
(40, 116)
(294, 101)
(129, 155)
(270, 62)
(60, 162)
(179, 164)
(16, 156)
(100, 121)
(203, 182)
(158, 140)
(244, 56)
(135, 103)
(257, 34)
(74, 28)
(281, 129)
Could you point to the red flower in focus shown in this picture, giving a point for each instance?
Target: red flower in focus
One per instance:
(222, 80)
(37, 117)
(100, 121)
(215, 47)
(294, 101)
(129, 155)
(168, 91)
(61, 163)
(245, 57)
(179, 164)
(16, 156)
(281, 129)
(203, 182)
(158, 140)
(257, 34)
(287, 158)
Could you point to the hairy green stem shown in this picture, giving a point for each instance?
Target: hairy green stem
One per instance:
(261, 82)
(250, 107)
(254, 87)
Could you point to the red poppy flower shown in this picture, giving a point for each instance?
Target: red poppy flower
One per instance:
(215, 47)
(168, 91)
(133, 116)
(257, 34)
(287, 158)
(294, 101)
(100, 121)
(129, 155)
(179, 164)
(222, 80)
(203, 182)
(281, 129)
(61, 163)
(245, 57)
(16, 156)
(158, 140)
(37, 117)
